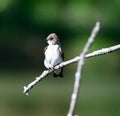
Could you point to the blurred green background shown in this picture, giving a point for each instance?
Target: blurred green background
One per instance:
(24, 26)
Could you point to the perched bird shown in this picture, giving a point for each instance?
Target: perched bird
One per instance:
(53, 54)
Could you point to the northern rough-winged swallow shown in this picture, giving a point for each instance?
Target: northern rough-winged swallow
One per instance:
(53, 54)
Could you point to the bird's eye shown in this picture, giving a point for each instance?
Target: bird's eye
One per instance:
(51, 38)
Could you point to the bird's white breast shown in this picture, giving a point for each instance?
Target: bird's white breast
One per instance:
(52, 55)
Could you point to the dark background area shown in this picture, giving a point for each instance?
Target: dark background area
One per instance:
(24, 26)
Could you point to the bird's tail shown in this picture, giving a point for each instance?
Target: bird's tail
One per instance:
(58, 75)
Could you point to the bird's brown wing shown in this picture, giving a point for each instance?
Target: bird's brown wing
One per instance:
(62, 55)
(61, 52)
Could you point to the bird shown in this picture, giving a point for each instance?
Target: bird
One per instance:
(53, 54)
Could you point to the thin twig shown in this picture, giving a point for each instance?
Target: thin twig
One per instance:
(71, 61)
(78, 75)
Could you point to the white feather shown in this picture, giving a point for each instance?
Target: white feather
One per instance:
(52, 57)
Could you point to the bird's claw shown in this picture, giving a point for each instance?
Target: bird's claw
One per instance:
(51, 67)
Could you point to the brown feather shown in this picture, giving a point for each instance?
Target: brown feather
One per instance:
(61, 73)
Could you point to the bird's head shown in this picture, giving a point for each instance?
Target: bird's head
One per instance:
(52, 39)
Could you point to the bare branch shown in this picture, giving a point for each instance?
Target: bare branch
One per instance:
(38, 79)
(78, 76)
(103, 51)
(76, 59)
